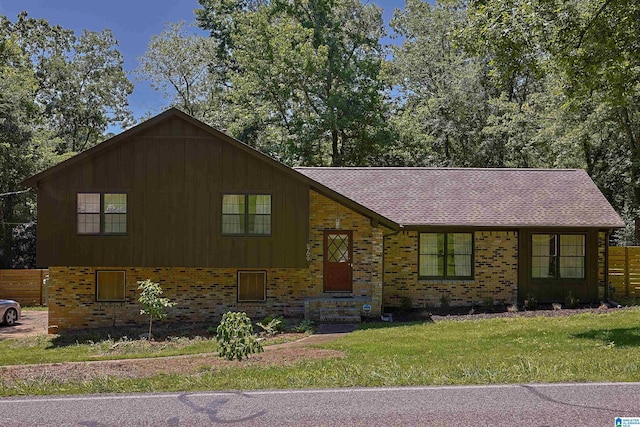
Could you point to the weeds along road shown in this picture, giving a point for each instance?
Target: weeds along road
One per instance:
(597, 404)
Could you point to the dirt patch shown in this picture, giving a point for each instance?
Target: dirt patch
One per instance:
(32, 322)
(137, 368)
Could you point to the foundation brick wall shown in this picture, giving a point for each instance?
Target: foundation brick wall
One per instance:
(495, 272)
(200, 295)
(204, 294)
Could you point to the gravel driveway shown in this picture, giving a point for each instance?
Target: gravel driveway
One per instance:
(32, 322)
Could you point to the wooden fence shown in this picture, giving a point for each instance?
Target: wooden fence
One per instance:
(24, 286)
(624, 270)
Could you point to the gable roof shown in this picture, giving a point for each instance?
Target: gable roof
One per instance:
(474, 197)
(175, 113)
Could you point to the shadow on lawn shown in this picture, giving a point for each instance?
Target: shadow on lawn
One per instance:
(622, 337)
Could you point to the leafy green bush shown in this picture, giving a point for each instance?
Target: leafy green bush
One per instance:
(406, 303)
(272, 325)
(571, 301)
(445, 301)
(531, 302)
(235, 337)
(305, 326)
(487, 302)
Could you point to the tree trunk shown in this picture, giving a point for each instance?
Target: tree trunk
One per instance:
(335, 149)
(150, 321)
(634, 144)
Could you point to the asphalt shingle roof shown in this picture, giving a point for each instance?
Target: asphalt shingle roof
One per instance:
(474, 197)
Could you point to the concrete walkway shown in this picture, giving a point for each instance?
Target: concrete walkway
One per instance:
(324, 333)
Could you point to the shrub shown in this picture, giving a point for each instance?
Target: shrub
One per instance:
(305, 326)
(272, 325)
(512, 308)
(487, 302)
(556, 306)
(235, 337)
(571, 301)
(445, 301)
(406, 303)
(531, 302)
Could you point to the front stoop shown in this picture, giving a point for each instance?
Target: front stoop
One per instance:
(335, 310)
(339, 315)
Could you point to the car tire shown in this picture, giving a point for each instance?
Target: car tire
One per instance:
(10, 317)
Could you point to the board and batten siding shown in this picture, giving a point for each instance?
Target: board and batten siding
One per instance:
(174, 174)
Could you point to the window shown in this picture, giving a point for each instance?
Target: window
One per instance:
(102, 213)
(246, 214)
(252, 285)
(110, 285)
(446, 255)
(557, 256)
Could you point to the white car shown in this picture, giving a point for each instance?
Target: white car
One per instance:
(9, 311)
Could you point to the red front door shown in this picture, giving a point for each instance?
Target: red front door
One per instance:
(337, 260)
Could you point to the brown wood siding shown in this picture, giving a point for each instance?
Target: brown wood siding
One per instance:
(556, 290)
(174, 175)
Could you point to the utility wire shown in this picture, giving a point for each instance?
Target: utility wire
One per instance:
(15, 192)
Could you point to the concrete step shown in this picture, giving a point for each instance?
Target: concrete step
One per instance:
(339, 315)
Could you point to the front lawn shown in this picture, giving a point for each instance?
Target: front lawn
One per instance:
(578, 348)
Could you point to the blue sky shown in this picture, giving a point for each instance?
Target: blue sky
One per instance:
(133, 22)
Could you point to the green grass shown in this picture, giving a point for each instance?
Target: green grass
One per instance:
(50, 349)
(581, 348)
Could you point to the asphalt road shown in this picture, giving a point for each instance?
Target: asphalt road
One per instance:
(509, 405)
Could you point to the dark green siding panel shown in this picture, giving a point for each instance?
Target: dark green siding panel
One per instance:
(586, 290)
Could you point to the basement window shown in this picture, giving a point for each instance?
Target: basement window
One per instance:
(110, 286)
(252, 286)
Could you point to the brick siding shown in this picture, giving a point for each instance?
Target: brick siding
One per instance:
(495, 272)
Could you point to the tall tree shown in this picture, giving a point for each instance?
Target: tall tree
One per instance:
(18, 156)
(305, 77)
(82, 85)
(441, 96)
(184, 67)
(592, 48)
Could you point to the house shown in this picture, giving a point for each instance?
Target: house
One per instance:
(223, 227)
